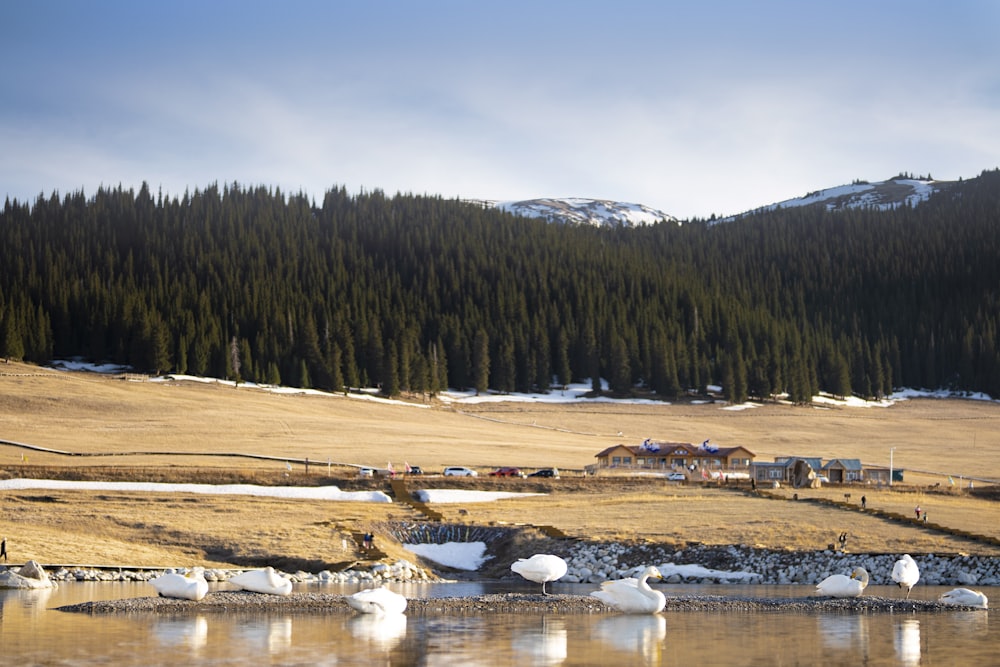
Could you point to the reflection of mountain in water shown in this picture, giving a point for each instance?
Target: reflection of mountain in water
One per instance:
(634, 633)
(542, 647)
(907, 642)
(191, 632)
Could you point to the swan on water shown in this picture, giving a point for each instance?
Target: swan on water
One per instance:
(633, 596)
(843, 586)
(906, 573)
(964, 597)
(377, 601)
(540, 568)
(262, 581)
(174, 585)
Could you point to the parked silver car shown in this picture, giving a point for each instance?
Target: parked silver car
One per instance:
(460, 471)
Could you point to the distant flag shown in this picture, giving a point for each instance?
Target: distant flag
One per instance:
(951, 482)
(406, 467)
(288, 465)
(389, 467)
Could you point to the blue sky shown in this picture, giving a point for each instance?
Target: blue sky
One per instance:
(690, 107)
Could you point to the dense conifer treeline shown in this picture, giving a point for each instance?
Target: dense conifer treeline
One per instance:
(415, 293)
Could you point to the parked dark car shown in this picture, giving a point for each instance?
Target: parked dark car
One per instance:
(415, 470)
(507, 472)
(545, 472)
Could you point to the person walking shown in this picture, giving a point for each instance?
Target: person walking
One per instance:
(3, 549)
(864, 502)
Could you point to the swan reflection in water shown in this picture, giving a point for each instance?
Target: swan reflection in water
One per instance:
(843, 632)
(460, 641)
(271, 634)
(33, 600)
(544, 646)
(190, 632)
(907, 642)
(383, 630)
(634, 634)
(969, 623)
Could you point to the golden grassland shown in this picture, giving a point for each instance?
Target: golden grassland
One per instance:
(137, 429)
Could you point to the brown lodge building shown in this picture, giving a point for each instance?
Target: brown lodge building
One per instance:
(667, 455)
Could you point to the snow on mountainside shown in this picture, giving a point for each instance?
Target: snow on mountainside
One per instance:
(585, 211)
(884, 195)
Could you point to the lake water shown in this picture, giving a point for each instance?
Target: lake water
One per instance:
(32, 632)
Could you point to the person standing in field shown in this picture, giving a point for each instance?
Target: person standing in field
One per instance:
(3, 549)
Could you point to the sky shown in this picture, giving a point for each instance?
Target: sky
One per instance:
(694, 108)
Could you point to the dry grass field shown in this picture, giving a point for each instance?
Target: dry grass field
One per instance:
(188, 430)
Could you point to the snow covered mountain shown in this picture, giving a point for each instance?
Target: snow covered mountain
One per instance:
(884, 195)
(892, 193)
(585, 211)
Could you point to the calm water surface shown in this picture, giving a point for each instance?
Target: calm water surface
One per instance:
(33, 633)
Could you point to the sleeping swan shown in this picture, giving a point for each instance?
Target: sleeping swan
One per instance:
(842, 586)
(174, 585)
(377, 601)
(262, 581)
(540, 568)
(633, 596)
(964, 597)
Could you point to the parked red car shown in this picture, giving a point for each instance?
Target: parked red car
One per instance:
(507, 472)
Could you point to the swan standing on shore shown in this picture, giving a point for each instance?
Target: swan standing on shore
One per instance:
(377, 601)
(262, 581)
(633, 596)
(963, 597)
(540, 568)
(174, 585)
(842, 586)
(906, 573)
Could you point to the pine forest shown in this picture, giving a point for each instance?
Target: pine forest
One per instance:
(415, 294)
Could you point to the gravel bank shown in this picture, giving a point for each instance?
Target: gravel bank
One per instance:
(324, 603)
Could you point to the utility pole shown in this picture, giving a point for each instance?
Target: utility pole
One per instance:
(891, 450)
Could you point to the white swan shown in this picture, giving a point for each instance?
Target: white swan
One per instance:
(843, 586)
(633, 596)
(906, 573)
(540, 568)
(262, 581)
(377, 601)
(174, 585)
(964, 597)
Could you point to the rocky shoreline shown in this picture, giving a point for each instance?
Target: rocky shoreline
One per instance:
(738, 564)
(506, 603)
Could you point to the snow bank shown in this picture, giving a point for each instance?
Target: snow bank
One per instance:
(298, 492)
(463, 496)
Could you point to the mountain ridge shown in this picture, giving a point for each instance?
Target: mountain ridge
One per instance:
(895, 192)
